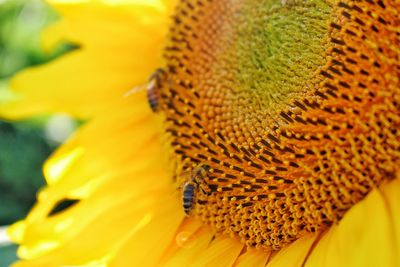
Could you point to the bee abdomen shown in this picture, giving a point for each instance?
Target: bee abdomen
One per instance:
(153, 88)
(188, 198)
(153, 98)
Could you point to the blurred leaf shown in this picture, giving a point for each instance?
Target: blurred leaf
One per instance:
(23, 147)
(7, 255)
(22, 152)
(21, 22)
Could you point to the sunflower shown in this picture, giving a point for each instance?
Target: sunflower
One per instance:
(274, 125)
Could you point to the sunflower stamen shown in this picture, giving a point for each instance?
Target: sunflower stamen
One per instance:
(296, 114)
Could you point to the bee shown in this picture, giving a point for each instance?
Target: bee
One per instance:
(153, 88)
(190, 188)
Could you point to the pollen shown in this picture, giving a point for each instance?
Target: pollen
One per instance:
(294, 105)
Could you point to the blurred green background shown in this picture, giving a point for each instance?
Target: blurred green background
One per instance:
(24, 145)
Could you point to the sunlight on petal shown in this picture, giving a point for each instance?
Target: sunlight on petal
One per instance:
(16, 231)
(57, 166)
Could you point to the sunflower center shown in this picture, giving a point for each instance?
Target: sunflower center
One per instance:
(293, 106)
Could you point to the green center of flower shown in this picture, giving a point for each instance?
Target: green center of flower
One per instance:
(293, 107)
(276, 48)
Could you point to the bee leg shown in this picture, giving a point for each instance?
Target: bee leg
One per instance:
(201, 202)
(202, 190)
(200, 186)
(209, 190)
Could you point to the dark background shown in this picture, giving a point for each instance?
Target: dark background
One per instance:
(24, 145)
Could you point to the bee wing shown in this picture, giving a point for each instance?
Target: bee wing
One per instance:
(135, 90)
(186, 175)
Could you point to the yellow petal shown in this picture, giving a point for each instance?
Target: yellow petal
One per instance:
(80, 83)
(110, 204)
(146, 247)
(391, 194)
(223, 251)
(294, 254)
(122, 181)
(54, 35)
(121, 44)
(114, 23)
(366, 236)
(185, 237)
(196, 245)
(253, 258)
(188, 253)
(107, 143)
(16, 231)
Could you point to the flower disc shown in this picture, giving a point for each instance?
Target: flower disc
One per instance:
(294, 105)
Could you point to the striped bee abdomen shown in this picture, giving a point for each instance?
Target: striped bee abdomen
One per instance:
(188, 197)
(153, 88)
